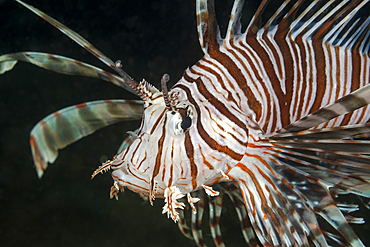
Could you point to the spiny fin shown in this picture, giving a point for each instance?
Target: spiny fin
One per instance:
(338, 157)
(71, 34)
(197, 219)
(184, 228)
(70, 124)
(234, 27)
(60, 64)
(208, 31)
(320, 21)
(335, 155)
(6, 65)
(83, 43)
(346, 104)
(236, 197)
(215, 210)
(341, 132)
(255, 23)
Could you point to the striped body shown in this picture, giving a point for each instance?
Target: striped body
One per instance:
(279, 82)
(247, 88)
(272, 117)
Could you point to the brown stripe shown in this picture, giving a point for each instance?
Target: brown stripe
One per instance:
(141, 189)
(223, 130)
(142, 161)
(301, 89)
(219, 105)
(157, 121)
(211, 143)
(338, 63)
(211, 32)
(127, 150)
(133, 155)
(275, 55)
(159, 155)
(38, 158)
(356, 79)
(256, 184)
(286, 100)
(171, 169)
(190, 153)
(139, 178)
(51, 138)
(229, 95)
(164, 166)
(235, 72)
(187, 77)
(205, 160)
(254, 71)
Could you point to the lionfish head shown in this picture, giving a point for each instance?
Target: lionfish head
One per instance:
(164, 156)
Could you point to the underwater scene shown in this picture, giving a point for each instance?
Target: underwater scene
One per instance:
(66, 207)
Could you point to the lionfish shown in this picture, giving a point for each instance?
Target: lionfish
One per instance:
(276, 117)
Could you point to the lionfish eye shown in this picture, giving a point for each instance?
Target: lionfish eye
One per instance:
(181, 119)
(186, 123)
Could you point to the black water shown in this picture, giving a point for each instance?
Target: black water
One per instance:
(66, 207)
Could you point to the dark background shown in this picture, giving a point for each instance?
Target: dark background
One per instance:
(66, 207)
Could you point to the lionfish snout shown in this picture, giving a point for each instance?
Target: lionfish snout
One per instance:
(125, 174)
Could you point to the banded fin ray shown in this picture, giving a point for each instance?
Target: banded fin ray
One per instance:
(314, 193)
(353, 177)
(341, 132)
(60, 64)
(287, 42)
(196, 221)
(336, 157)
(234, 27)
(293, 204)
(346, 104)
(70, 124)
(84, 44)
(215, 209)
(208, 30)
(236, 198)
(341, 163)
